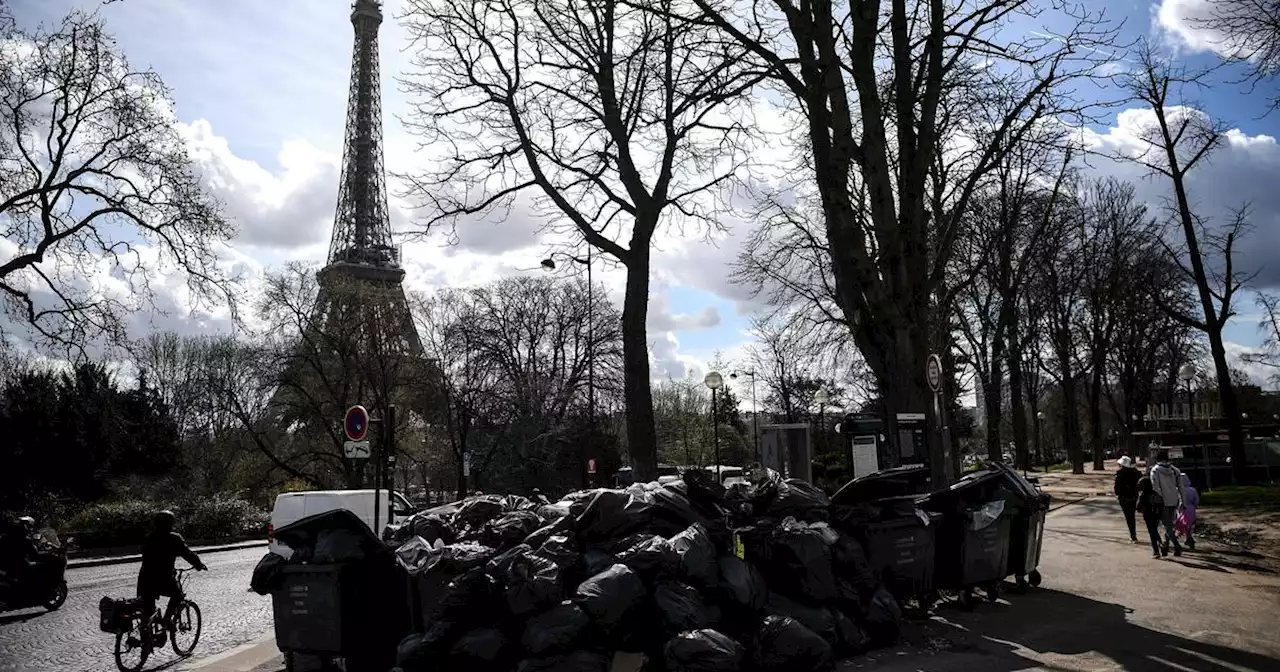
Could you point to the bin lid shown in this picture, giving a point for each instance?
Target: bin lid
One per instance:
(912, 479)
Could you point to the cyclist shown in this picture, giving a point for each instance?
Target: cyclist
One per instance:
(156, 578)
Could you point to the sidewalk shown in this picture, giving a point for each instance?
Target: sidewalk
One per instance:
(135, 557)
(1105, 604)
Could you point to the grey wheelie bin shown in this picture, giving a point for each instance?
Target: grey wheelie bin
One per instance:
(974, 535)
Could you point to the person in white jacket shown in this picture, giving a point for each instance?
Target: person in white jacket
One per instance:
(1166, 480)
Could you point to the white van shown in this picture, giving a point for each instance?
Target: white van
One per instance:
(292, 506)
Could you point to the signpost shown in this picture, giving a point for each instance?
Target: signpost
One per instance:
(356, 450)
(356, 423)
(591, 471)
(933, 372)
(933, 375)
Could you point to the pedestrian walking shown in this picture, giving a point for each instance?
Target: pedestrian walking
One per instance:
(1126, 489)
(1186, 521)
(1151, 507)
(1166, 481)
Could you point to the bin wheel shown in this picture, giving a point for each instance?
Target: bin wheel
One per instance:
(965, 599)
(993, 591)
(288, 661)
(1034, 578)
(1019, 585)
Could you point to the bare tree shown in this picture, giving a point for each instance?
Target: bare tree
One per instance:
(873, 87)
(1269, 325)
(1181, 138)
(610, 116)
(1249, 32)
(95, 182)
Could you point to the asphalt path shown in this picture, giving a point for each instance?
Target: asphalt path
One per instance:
(34, 640)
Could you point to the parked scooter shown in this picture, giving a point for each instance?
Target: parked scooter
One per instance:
(43, 584)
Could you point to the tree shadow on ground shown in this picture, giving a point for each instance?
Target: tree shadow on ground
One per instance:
(1052, 622)
(6, 619)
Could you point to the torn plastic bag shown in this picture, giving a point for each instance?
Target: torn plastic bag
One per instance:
(800, 562)
(852, 639)
(680, 606)
(267, 575)
(981, 517)
(419, 651)
(703, 651)
(697, 556)
(332, 536)
(612, 514)
(783, 643)
(554, 630)
(609, 596)
(820, 620)
(742, 583)
(883, 619)
(432, 526)
(650, 556)
(475, 511)
(576, 661)
(468, 600)
(511, 528)
(419, 557)
(532, 583)
(483, 647)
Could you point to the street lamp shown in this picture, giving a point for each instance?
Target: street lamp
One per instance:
(550, 264)
(1040, 439)
(822, 398)
(755, 410)
(1187, 373)
(713, 381)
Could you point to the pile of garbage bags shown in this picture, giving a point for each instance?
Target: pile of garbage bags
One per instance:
(690, 574)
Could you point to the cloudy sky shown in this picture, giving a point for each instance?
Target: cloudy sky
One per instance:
(261, 86)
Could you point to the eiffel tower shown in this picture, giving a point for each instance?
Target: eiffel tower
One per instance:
(361, 346)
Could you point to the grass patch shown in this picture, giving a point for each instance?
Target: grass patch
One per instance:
(1061, 466)
(1265, 497)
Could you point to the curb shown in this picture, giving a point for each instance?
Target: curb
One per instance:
(127, 559)
(244, 658)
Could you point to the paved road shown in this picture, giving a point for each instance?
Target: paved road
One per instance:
(68, 639)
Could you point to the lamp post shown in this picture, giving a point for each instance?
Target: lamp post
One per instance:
(1187, 373)
(550, 264)
(755, 410)
(713, 381)
(1040, 439)
(822, 398)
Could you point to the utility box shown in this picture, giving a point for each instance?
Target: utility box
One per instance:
(911, 445)
(863, 443)
(788, 450)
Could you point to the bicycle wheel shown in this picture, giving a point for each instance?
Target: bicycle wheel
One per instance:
(129, 644)
(186, 624)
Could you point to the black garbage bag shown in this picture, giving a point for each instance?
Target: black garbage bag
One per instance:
(595, 560)
(419, 557)
(680, 606)
(697, 556)
(849, 562)
(542, 534)
(468, 600)
(703, 651)
(432, 526)
(649, 555)
(532, 583)
(419, 652)
(611, 515)
(482, 647)
(742, 584)
(554, 630)
(576, 661)
(673, 512)
(883, 618)
(799, 562)
(820, 620)
(555, 511)
(561, 550)
(332, 536)
(852, 639)
(268, 574)
(608, 597)
(475, 511)
(518, 503)
(783, 643)
(510, 529)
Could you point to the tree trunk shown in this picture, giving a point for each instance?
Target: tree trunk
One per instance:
(1230, 410)
(642, 442)
(1017, 409)
(992, 394)
(1071, 422)
(1095, 411)
(906, 390)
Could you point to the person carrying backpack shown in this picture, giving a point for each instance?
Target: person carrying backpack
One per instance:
(1151, 508)
(1166, 481)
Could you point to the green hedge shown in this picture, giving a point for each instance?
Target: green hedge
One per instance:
(127, 522)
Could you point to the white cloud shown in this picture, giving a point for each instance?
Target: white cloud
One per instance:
(1183, 24)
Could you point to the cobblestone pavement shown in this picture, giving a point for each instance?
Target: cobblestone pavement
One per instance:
(69, 640)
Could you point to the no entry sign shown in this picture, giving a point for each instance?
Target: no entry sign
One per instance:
(356, 423)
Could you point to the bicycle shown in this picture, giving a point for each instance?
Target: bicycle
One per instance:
(186, 619)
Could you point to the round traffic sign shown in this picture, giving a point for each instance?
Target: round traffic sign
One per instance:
(933, 372)
(356, 423)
